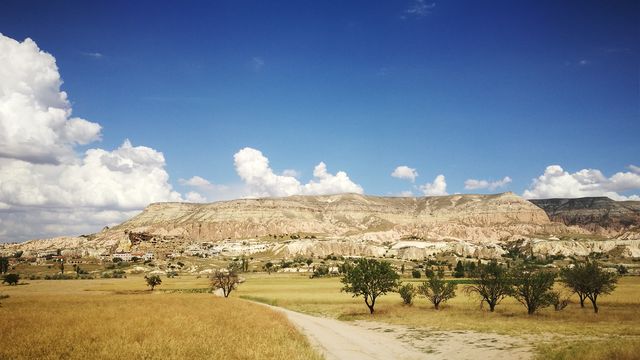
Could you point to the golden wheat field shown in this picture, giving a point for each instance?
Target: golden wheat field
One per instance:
(106, 318)
(118, 318)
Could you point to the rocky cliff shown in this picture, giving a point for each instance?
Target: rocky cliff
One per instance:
(600, 215)
(471, 217)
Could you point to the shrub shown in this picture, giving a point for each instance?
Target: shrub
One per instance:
(415, 273)
(407, 291)
(11, 279)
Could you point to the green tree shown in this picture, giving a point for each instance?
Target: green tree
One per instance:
(458, 272)
(11, 279)
(437, 290)
(574, 278)
(268, 266)
(153, 281)
(598, 281)
(370, 278)
(4, 265)
(226, 279)
(532, 288)
(492, 284)
(407, 291)
(415, 273)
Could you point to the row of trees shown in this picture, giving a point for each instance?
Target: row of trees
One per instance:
(532, 287)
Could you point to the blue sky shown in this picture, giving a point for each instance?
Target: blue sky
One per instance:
(466, 89)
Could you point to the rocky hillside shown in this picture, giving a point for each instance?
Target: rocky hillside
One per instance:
(471, 217)
(597, 214)
(485, 226)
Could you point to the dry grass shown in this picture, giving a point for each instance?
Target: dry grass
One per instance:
(616, 326)
(116, 318)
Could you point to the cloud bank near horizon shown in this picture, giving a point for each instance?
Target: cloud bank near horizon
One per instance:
(46, 188)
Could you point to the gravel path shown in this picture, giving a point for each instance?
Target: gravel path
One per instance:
(338, 340)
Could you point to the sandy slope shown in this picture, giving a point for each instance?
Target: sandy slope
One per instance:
(370, 340)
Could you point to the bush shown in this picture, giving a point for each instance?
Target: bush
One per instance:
(319, 271)
(11, 279)
(415, 273)
(407, 291)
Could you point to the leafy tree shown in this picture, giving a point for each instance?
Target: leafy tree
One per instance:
(492, 284)
(436, 290)
(459, 270)
(11, 279)
(153, 281)
(4, 265)
(415, 273)
(370, 278)
(309, 262)
(598, 281)
(589, 280)
(226, 279)
(574, 278)
(407, 291)
(622, 270)
(532, 288)
(268, 266)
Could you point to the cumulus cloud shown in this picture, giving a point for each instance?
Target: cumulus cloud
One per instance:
(254, 170)
(46, 188)
(558, 183)
(436, 188)
(419, 8)
(35, 115)
(473, 184)
(405, 172)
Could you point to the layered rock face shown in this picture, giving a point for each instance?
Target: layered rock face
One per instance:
(356, 225)
(472, 217)
(597, 214)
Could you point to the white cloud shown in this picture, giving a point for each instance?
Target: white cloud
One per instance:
(405, 172)
(473, 184)
(436, 188)
(95, 55)
(419, 8)
(558, 183)
(46, 188)
(35, 115)
(195, 197)
(254, 170)
(634, 169)
(127, 178)
(291, 172)
(195, 181)
(257, 63)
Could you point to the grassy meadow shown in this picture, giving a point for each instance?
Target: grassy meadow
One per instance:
(117, 318)
(106, 318)
(573, 333)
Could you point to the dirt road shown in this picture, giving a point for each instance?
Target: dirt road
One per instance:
(371, 340)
